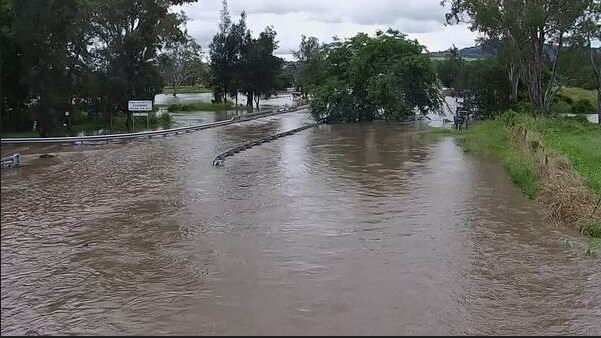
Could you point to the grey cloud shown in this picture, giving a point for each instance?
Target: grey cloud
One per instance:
(422, 19)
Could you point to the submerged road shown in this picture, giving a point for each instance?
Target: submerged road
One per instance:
(346, 229)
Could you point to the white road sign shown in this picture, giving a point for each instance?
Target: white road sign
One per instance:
(140, 105)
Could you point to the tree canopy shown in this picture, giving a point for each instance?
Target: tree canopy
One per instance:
(240, 62)
(369, 78)
(527, 27)
(181, 63)
(66, 55)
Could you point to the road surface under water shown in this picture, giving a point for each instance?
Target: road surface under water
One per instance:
(346, 229)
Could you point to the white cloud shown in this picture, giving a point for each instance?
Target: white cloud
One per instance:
(420, 19)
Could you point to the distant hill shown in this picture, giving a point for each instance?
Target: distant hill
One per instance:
(477, 53)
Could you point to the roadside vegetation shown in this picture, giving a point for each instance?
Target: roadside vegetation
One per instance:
(573, 100)
(101, 54)
(553, 160)
(87, 125)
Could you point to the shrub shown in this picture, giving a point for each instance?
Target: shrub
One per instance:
(166, 119)
(583, 106)
(561, 107)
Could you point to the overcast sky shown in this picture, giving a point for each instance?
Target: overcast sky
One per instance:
(420, 19)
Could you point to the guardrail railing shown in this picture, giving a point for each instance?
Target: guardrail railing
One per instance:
(147, 134)
(12, 161)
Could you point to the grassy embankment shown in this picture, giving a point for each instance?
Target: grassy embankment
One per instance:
(553, 160)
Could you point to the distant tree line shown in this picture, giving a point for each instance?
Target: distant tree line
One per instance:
(241, 63)
(486, 83)
(83, 55)
(542, 44)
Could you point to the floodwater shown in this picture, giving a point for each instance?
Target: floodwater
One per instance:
(200, 117)
(346, 229)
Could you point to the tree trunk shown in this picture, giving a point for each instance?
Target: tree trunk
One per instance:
(551, 91)
(258, 100)
(236, 102)
(597, 70)
(599, 97)
(514, 78)
(249, 101)
(128, 121)
(174, 90)
(536, 69)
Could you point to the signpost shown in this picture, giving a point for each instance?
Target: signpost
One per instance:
(140, 108)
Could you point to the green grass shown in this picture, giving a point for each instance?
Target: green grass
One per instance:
(592, 230)
(571, 100)
(201, 106)
(578, 140)
(12, 134)
(187, 90)
(579, 93)
(88, 125)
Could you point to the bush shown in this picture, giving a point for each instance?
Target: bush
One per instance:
(152, 119)
(510, 118)
(526, 108)
(166, 120)
(583, 106)
(565, 98)
(561, 107)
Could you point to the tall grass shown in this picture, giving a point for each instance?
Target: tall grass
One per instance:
(578, 140)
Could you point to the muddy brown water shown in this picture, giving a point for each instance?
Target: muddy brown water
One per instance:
(349, 229)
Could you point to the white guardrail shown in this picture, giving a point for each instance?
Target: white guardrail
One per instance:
(148, 134)
(13, 161)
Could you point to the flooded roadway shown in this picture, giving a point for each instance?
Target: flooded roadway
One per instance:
(347, 229)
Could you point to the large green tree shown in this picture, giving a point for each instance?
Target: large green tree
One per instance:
(449, 69)
(241, 63)
(529, 25)
(181, 63)
(309, 49)
(590, 29)
(368, 78)
(46, 50)
(259, 68)
(129, 35)
(13, 91)
(224, 51)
